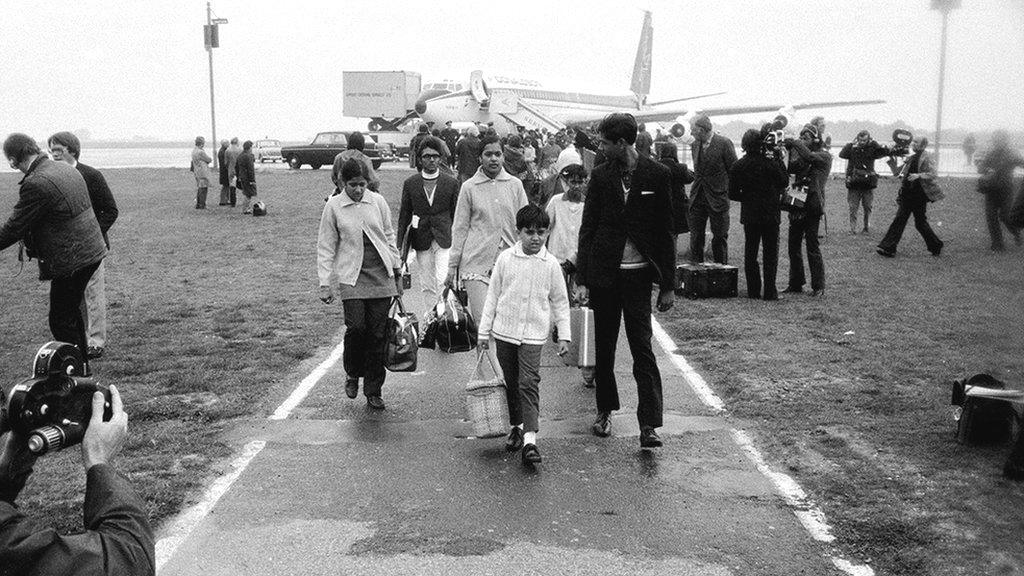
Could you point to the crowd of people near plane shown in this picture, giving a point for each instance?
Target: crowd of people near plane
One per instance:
(605, 208)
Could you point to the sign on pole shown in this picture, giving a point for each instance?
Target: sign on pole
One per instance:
(211, 36)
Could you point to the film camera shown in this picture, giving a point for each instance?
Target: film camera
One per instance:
(901, 140)
(52, 407)
(773, 137)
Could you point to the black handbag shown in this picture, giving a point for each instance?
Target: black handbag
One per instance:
(456, 328)
(401, 339)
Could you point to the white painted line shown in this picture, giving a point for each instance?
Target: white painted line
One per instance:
(307, 384)
(809, 515)
(185, 522)
(812, 519)
(695, 381)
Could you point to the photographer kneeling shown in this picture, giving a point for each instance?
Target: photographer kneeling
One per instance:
(118, 537)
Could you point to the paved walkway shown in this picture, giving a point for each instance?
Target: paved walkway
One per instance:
(340, 489)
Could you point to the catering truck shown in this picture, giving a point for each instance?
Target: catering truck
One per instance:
(387, 98)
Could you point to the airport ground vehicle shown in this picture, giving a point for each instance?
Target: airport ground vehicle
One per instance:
(267, 150)
(322, 150)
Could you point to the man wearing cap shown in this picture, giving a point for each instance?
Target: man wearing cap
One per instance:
(65, 147)
(451, 139)
(713, 156)
(861, 178)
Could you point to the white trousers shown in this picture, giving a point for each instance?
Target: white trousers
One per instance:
(94, 308)
(433, 267)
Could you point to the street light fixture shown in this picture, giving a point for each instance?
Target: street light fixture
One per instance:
(211, 39)
(944, 6)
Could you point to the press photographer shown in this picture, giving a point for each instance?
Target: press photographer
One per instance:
(118, 538)
(757, 181)
(809, 164)
(55, 220)
(861, 178)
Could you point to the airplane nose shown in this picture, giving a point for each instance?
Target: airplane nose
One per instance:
(421, 106)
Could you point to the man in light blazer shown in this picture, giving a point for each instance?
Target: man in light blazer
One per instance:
(713, 156)
(428, 205)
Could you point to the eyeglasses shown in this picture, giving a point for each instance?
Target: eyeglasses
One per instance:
(430, 156)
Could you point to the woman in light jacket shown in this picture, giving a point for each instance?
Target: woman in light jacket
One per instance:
(484, 224)
(358, 263)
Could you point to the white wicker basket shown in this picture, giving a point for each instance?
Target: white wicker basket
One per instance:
(487, 404)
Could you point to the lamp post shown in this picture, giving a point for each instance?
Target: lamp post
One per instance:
(211, 38)
(944, 6)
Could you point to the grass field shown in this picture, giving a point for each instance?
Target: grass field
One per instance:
(214, 314)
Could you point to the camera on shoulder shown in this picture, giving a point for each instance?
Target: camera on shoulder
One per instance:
(52, 407)
(901, 140)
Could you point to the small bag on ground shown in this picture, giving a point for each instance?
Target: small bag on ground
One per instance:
(486, 403)
(401, 339)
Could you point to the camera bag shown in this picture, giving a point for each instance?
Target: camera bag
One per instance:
(861, 179)
(982, 420)
(707, 280)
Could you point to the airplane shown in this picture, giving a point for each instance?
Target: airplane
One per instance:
(508, 103)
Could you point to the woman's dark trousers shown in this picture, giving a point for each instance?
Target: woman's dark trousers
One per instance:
(365, 321)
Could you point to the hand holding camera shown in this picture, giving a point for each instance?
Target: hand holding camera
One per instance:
(104, 439)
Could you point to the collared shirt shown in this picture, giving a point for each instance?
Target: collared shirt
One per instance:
(485, 221)
(526, 293)
(340, 241)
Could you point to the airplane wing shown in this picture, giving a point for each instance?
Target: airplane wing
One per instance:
(670, 114)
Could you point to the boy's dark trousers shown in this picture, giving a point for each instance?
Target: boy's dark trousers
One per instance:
(628, 299)
(365, 322)
(520, 364)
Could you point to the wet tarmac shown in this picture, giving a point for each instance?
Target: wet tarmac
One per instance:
(341, 489)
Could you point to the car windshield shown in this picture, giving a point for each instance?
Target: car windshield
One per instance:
(266, 143)
(334, 139)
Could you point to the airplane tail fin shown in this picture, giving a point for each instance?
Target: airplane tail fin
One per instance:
(641, 84)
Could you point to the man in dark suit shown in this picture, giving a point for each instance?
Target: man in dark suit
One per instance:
(713, 155)
(625, 246)
(425, 217)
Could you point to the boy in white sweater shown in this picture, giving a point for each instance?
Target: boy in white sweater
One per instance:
(526, 292)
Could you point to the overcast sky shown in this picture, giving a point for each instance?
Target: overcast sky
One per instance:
(128, 68)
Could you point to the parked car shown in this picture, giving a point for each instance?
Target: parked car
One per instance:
(322, 150)
(267, 150)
